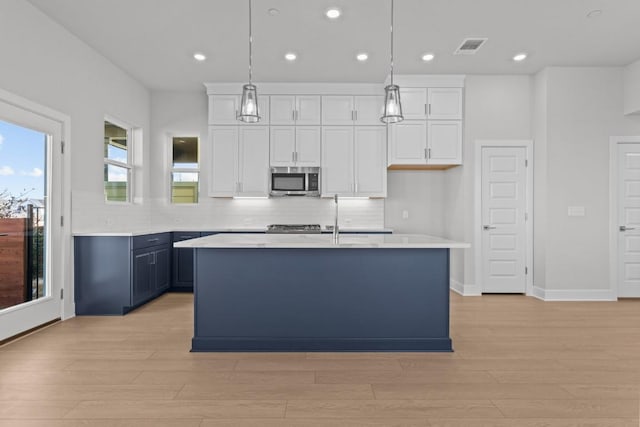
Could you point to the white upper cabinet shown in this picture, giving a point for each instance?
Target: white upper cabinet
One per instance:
(414, 103)
(337, 161)
(444, 140)
(408, 143)
(224, 110)
(337, 110)
(240, 161)
(295, 110)
(295, 146)
(307, 146)
(253, 164)
(283, 145)
(445, 104)
(368, 110)
(224, 164)
(307, 110)
(354, 161)
(370, 161)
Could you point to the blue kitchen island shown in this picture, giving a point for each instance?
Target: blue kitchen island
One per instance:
(267, 292)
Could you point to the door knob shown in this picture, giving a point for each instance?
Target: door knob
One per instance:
(488, 227)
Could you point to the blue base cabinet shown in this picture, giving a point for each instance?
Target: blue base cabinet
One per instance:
(182, 279)
(114, 274)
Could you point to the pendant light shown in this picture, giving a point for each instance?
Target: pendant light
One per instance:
(249, 103)
(392, 107)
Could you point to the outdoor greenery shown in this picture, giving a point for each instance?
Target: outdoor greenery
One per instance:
(12, 205)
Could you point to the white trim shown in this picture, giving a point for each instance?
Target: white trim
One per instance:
(613, 207)
(172, 170)
(574, 294)
(428, 80)
(61, 243)
(235, 88)
(464, 290)
(479, 145)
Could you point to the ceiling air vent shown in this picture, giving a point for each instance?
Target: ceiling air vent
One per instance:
(470, 46)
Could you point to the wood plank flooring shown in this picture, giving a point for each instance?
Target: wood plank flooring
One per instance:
(518, 362)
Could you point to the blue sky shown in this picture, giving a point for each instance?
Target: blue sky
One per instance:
(22, 160)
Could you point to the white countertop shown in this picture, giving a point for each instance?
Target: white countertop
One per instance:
(142, 232)
(404, 241)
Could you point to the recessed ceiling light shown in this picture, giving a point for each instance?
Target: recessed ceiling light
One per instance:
(333, 13)
(290, 56)
(273, 11)
(427, 57)
(594, 13)
(362, 57)
(520, 57)
(199, 56)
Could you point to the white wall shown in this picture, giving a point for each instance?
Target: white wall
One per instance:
(496, 107)
(175, 113)
(584, 107)
(632, 88)
(46, 64)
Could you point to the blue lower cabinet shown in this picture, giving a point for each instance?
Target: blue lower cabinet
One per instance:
(182, 276)
(114, 274)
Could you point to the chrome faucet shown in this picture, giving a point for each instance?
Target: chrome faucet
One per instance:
(336, 231)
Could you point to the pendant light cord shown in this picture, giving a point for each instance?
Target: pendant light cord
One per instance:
(250, 42)
(391, 42)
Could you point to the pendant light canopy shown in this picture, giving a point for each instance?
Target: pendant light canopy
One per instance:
(392, 107)
(249, 104)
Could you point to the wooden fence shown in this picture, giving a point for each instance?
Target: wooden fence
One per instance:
(14, 261)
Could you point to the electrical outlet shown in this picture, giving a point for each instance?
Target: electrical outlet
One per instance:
(405, 214)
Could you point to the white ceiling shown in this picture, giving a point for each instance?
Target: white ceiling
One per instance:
(154, 40)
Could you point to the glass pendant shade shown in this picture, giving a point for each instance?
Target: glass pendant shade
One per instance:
(392, 108)
(249, 104)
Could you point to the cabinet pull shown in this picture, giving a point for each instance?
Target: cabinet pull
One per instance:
(356, 185)
(293, 156)
(428, 153)
(187, 237)
(356, 114)
(293, 115)
(425, 109)
(429, 109)
(425, 153)
(296, 156)
(152, 240)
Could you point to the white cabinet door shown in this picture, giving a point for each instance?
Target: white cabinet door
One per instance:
(224, 165)
(414, 103)
(308, 110)
(282, 109)
(337, 110)
(283, 145)
(307, 146)
(337, 161)
(444, 142)
(369, 110)
(263, 112)
(370, 161)
(408, 143)
(254, 161)
(223, 109)
(445, 104)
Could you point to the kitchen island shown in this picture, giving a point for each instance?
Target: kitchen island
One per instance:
(302, 292)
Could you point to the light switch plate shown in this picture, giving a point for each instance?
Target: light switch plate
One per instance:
(576, 211)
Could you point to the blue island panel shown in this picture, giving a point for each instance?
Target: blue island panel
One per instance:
(338, 299)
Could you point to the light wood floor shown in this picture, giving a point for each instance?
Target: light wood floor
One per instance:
(518, 362)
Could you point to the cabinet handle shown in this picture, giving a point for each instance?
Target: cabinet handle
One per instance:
(356, 114)
(293, 115)
(187, 237)
(425, 109)
(293, 156)
(152, 240)
(425, 153)
(356, 185)
(428, 153)
(429, 109)
(296, 153)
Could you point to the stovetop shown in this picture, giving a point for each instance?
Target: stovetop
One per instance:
(294, 229)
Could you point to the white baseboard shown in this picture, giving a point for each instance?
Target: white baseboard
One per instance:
(574, 294)
(464, 290)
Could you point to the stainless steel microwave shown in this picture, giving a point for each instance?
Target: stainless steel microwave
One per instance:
(295, 181)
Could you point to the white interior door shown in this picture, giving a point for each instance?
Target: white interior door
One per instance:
(629, 220)
(504, 232)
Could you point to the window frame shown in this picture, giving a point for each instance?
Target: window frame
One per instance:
(172, 170)
(127, 166)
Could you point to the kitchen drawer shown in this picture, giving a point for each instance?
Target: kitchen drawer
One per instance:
(149, 240)
(179, 236)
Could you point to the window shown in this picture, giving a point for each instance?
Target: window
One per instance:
(117, 163)
(185, 170)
